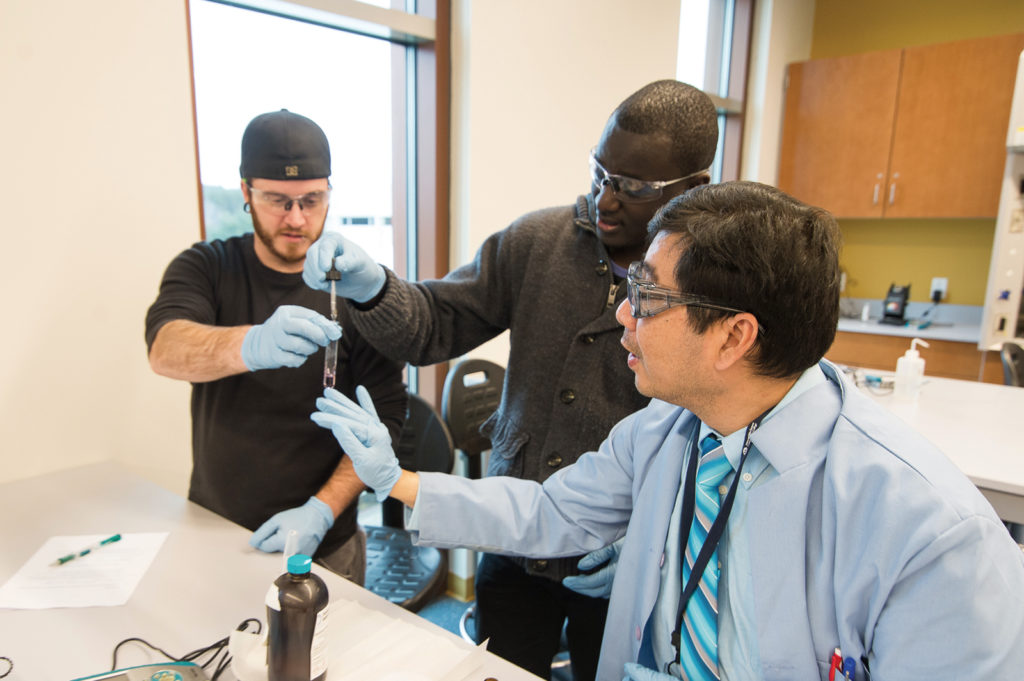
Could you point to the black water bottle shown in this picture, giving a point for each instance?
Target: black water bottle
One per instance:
(297, 623)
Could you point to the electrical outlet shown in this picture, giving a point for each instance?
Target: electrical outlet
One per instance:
(938, 290)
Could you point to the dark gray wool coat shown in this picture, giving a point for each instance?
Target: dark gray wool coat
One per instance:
(548, 279)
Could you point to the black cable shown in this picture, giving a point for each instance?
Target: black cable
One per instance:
(114, 667)
(219, 649)
(10, 666)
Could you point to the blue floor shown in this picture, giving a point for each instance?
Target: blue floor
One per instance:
(445, 612)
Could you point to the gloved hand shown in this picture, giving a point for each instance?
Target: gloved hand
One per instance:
(311, 521)
(290, 335)
(597, 584)
(361, 277)
(636, 672)
(363, 437)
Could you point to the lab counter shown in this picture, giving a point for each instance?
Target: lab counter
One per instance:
(204, 582)
(978, 427)
(957, 333)
(952, 336)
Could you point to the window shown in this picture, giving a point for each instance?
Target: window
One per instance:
(714, 41)
(247, 63)
(374, 78)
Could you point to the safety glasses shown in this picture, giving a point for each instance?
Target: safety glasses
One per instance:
(630, 189)
(647, 299)
(281, 204)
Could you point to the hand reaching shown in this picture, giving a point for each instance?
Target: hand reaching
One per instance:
(363, 437)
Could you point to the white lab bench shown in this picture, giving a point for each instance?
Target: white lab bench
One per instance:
(203, 583)
(978, 426)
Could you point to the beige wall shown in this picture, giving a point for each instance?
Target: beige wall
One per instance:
(98, 161)
(99, 153)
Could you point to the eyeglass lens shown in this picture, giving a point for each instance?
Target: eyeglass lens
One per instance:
(627, 187)
(282, 203)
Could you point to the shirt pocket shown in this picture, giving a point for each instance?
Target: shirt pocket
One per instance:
(507, 442)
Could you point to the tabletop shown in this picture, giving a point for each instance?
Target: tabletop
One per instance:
(204, 582)
(978, 426)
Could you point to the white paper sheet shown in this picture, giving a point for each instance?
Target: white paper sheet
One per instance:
(106, 576)
(370, 646)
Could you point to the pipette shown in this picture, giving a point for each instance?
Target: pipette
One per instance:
(331, 355)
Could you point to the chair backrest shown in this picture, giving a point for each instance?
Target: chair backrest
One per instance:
(425, 444)
(472, 392)
(1012, 355)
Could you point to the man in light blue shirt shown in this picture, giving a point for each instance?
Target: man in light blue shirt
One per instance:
(842, 532)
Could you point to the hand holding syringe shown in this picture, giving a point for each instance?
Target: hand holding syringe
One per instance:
(331, 355)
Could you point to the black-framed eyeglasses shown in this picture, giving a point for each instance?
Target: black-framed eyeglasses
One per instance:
(281, 204)
(630, 189)
(647, 299)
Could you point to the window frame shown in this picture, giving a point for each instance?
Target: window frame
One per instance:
(421, 151)
(725, 79)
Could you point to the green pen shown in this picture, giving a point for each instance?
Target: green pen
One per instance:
(86, 551)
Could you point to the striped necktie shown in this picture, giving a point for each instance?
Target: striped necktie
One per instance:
(698, 650)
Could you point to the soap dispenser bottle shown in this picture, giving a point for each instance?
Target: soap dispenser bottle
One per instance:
(909, 373)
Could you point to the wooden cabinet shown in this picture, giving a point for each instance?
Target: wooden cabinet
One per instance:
(948, 359)
(918, 132)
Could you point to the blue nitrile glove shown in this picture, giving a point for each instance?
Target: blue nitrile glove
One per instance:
(597, 584)
(636, 672)
(290, 335)
(361, 277)
(363, 437)
(311, 521)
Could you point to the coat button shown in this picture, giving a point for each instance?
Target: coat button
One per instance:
(661, 562)
(638, 633)
(540, 565)
(554, 461)
(568, 396)
(587, 340)
(602, 268)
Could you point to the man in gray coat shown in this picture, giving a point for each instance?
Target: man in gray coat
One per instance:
(553, 279)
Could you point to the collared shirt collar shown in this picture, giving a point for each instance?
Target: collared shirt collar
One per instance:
(733, 443)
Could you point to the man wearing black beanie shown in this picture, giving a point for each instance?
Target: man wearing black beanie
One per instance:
(234, 318)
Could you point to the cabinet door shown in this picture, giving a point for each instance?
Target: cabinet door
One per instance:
(949, 143)
(837, 131)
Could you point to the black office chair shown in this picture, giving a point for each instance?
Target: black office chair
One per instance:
(1012, 355)
(472, 392)
(411, 576)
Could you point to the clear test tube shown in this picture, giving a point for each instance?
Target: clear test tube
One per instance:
(331, 355)
(291, 546)
(330, 364)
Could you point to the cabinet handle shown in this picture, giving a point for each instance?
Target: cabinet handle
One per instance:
(874, 200)
(892, 193)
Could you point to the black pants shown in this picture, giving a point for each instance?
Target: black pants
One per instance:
(522, 615)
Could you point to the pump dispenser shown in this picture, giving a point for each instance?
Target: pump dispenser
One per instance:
(909, 373)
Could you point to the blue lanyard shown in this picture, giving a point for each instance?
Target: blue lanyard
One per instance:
(717, 527)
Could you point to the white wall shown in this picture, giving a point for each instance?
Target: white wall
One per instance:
(98, 163)
(98, 155)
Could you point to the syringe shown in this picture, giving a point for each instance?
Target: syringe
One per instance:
(331, 355)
